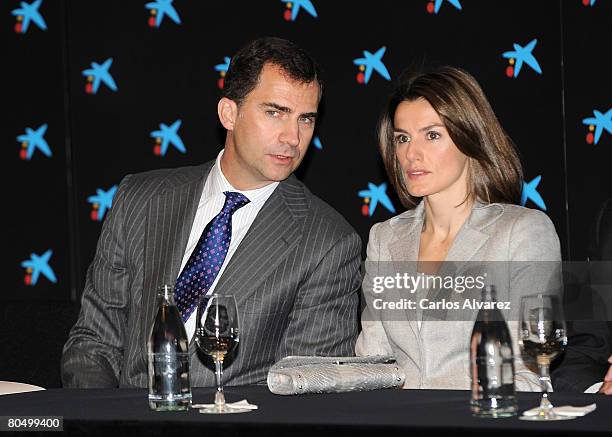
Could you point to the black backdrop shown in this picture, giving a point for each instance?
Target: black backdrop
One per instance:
(167, 73)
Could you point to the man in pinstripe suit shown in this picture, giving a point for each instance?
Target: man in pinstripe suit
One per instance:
(292, 263)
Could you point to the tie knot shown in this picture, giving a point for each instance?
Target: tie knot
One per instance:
(233, 201)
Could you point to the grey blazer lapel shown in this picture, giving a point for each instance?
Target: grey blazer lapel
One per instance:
(275, 231)
(473, 235)
(169, 219)
(469, 240)
(404, 251)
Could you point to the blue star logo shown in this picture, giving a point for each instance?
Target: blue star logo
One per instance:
(102, 201)
(376, 194)
(38, 264)
(29, 12)
(438, 4)
(372, 62)
(160, 8)
(169, 135)
(600, 122)
(317, 143)
(522, 55)
(222, 69)
(224, 66)
(296, 5)
(530, 192)
(34, 139)
(99, 74)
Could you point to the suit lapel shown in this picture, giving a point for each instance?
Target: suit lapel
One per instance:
(469, 240)
(169, 219)
(404, 250)
(275, 231)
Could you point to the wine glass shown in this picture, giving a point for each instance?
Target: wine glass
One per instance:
(217, 335)
(542, 337)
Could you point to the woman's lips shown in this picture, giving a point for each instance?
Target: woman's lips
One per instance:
(417, 174)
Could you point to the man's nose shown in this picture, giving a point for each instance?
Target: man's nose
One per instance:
(290, 134)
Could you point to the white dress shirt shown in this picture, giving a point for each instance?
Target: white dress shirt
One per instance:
(211, 203)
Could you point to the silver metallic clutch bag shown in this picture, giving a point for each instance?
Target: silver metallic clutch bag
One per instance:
(294, 375)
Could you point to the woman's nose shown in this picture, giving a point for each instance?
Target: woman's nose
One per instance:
(414, 151)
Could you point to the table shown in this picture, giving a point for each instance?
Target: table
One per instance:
(409, 412)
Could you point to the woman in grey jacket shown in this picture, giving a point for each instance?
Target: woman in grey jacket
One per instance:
(457, 171)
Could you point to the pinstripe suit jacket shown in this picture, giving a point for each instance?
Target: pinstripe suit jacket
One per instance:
(295, 277)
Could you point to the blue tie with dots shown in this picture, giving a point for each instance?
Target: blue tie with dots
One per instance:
(207, 257)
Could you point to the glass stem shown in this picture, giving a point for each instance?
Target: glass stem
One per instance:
(219, 397)
(546, 408)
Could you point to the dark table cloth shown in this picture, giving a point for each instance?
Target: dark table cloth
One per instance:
(409, 412)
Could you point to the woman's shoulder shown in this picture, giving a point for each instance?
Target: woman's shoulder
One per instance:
(505, 220)
(524, 217)
(530, 233)
(398, 222)
(398, 227)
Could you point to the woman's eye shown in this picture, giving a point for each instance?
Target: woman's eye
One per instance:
(401, 139)
(433, 135)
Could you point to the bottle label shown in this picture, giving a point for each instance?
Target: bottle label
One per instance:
(169, 373)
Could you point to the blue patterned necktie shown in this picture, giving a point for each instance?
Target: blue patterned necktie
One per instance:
(207, 257)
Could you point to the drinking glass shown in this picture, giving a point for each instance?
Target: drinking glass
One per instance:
(217, 334)
(542, 337)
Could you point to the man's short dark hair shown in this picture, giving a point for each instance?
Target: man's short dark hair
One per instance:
(246, 65)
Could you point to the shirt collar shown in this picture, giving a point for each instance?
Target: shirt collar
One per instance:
(217, 183)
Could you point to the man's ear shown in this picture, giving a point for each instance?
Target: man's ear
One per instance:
(228, 112)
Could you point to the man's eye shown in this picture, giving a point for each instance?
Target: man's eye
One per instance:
(272, 113)
(307, 120)
(433, 135)
(401, 139)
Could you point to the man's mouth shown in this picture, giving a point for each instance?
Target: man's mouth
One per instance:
(282, 159)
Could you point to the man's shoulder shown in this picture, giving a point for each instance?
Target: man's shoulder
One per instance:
(136, 189)
(160, 179)
(318, 210)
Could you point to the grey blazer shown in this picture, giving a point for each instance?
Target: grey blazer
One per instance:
(437, 354)
(295, 277)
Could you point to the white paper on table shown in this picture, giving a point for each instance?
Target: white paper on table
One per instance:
(566, 410)
(240, 404)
